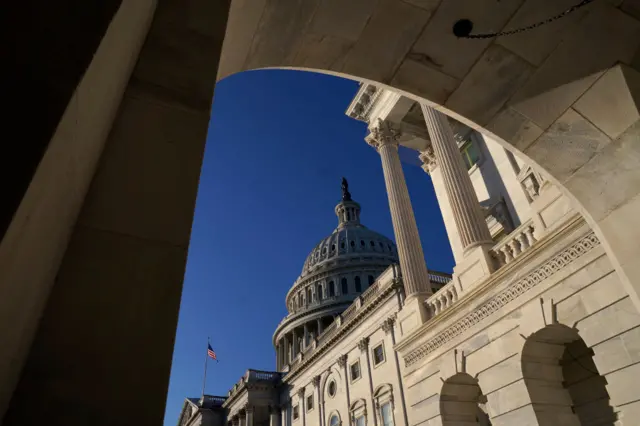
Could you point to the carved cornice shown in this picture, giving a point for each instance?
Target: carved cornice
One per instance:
(363, 344)
(387, 325)
(383, 134)
(428, 158)
(342, 361)
(512, 292)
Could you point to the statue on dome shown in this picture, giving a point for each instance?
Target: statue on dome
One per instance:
(346, 196)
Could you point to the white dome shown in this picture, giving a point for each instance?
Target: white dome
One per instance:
(348, 242)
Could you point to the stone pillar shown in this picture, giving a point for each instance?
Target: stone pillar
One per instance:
(296, 349)
(467, 214)
(363, 345)
(320, 327)
(274, 416)
(316, 385)
(242, 419)
(414, 269)
(249, 411)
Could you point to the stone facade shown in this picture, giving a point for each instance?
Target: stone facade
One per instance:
(533, 328)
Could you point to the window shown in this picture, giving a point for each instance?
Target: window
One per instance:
(345, 286)
(320, 291)
(310, 403)
(359, 421)
(378, 354)
(342, 244)
(331, 389)
(358, 285)
(333, 247)
(334, 421)
(332, 289)
(353, 243)
(309, 295)
(362, 243)
(470, 154)
(387, 414)
(372, 243)
(296, 412)
(355, 371)
(371, 280)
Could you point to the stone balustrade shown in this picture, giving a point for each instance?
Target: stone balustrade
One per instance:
(253, 376)
(209, 401)
(516, 243)
(442, 299)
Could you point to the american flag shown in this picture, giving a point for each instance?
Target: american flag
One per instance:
(211, 352)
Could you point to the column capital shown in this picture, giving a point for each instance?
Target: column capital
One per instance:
(363, 344)
(301, 392)
(387, 325)
(248, 409)
(316, 381)
(383, 134)
(428, 158)
(342, 361)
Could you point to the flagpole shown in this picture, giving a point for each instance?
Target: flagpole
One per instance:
(206, 358)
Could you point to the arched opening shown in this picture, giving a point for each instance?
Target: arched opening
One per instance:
(319, 290)
(332, 289)
(370, 280)
(462, 402)
(358, 285)
(563, 381)
(344, 285)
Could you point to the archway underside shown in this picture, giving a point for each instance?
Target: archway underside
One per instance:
(565, 95)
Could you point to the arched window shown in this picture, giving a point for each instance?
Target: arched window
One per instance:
(358, 285)
(332, 289)
(309, 293)
(345, 286)
(353, 243)
(384, 401)
(334, 421)
(372, 243)
(371, 280)
(362, 243)
(319, 290)
(333, 247)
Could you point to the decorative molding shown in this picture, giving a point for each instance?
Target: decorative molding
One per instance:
(363, 344)
(342, 361)
(428, 158)
(531, 182)
(387, 325)
(383, 134)
(512, 292)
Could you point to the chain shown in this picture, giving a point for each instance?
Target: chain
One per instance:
(463, 27)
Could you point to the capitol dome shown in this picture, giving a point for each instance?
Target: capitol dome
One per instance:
(336, 271)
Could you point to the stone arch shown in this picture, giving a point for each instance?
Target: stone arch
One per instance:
(330, 418)
(462, 402)
(564, 96)
(563, 381)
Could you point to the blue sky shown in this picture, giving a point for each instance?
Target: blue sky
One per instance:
(278, 144)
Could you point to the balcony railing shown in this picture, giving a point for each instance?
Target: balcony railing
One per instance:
(442, 299)
(516, 243)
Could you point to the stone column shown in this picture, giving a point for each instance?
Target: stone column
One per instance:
(316, 385)
(296, 349)
(363, 345)
(274, 416)
(242, 419)
(467, 214)
(414, 269)
(320, 327)
(249, 410)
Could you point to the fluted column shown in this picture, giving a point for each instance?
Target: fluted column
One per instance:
(414, 269)
(467, 214)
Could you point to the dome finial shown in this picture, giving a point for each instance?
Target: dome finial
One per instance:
(346, 196)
